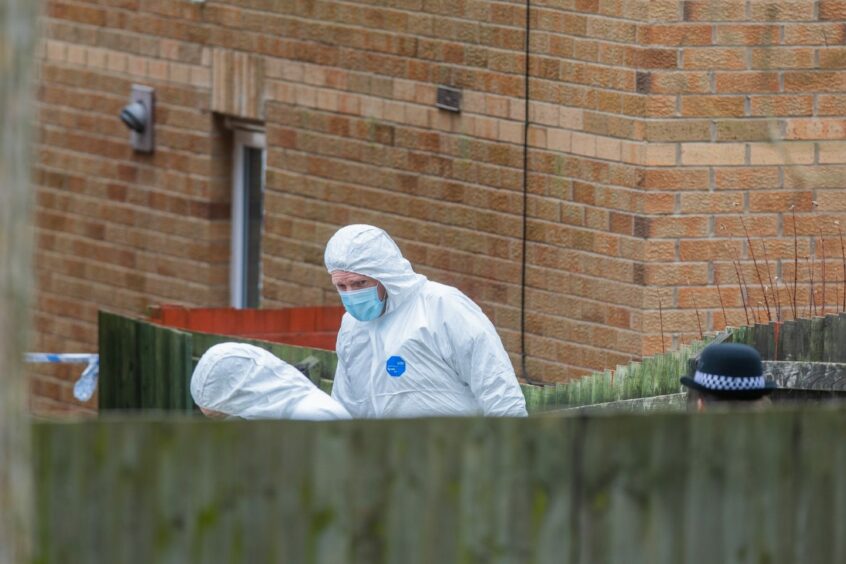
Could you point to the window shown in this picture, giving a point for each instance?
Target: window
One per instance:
(247, 211)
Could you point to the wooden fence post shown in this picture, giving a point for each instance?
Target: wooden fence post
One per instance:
(17, 44)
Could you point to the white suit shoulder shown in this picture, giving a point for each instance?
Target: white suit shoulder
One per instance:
(455, 308)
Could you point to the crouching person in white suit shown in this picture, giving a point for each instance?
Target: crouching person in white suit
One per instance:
(241, 380)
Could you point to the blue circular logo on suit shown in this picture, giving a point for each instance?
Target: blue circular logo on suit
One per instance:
(395, 366)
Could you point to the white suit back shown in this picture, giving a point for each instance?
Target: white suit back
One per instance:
(247, 381)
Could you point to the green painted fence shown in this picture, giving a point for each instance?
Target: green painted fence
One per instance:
(146, 366)
(736, 487)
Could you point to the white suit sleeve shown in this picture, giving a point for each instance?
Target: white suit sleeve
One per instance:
(340, 388)
(481, 361)
(317, 406)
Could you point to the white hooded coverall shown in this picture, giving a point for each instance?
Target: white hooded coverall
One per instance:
(249, 382)
(432, 353)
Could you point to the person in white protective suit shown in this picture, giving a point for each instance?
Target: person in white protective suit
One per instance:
(410, 347)
(241, 380)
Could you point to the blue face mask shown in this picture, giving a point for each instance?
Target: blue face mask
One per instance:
(365, 304)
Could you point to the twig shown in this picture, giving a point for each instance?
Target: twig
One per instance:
(720, 295)
(843, 258)
(822, 246)
(696, 309)
(796, 263)
(812, 298)
(776, 299)
(743, 292)
(661, 322)
(789, 296)
(757, 270)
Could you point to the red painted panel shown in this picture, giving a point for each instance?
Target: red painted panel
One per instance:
(315, 326)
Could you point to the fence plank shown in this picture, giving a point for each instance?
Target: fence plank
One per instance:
(18, 65)
(118, 381)
(182, 348)
(763, 339)
(838, 349)
(817, 338)
(820, 497)
(151, 383)
(788, 340)
(830, 344)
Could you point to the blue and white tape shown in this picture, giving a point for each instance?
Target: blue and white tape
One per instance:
(84, 387)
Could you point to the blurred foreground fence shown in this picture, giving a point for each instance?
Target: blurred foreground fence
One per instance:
(669, 488)
(147, 366)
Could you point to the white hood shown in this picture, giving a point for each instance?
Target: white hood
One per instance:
(247, 381)
(368, 250)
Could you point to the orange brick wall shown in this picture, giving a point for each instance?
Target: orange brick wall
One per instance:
(752, 122)
(650, 136)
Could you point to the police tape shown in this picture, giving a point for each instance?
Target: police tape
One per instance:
(84, 387)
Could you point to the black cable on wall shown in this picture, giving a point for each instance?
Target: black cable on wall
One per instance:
(525, 372)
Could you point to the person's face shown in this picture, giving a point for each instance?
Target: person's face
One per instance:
(699, 401)
(349, 281)
(212, 414)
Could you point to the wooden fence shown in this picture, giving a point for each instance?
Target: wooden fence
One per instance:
(146, 366)
(729, 487)
(19, 63)
(819, 339)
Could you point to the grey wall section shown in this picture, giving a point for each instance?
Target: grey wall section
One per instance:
(17, 45)
(670, 488)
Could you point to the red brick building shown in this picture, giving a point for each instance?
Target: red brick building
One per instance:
(653, 127)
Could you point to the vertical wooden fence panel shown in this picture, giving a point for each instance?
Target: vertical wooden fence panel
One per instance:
(787, 338)
(817, 338)
(17, 65)
(837, 346)
(152, 386)
(801, 349)
(762, 340)
(554, 488)
(820, 501)
(180, 363)
(143, 366)
(732, 487)
(119, 381)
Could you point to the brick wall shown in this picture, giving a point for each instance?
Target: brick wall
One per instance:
(650, 137)
(115, 229)
(752, 121)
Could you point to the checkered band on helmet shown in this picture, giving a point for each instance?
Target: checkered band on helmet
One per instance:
(720, 382)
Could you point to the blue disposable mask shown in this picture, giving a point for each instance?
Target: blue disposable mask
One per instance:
(365, 304)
